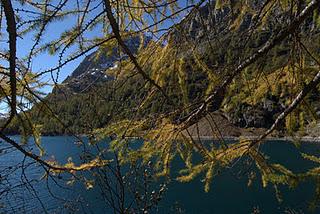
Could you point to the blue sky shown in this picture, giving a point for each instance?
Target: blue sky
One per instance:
(46, 61)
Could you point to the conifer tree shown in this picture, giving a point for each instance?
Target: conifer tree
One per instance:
(166, 69)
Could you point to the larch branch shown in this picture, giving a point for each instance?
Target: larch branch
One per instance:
(215, 99)
(116, 32)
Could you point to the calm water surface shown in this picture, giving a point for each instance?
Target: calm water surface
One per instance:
(229, 191)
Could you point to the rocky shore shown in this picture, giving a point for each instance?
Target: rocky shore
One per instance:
(217, 126)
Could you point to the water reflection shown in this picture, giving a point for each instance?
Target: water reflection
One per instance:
(23, 191)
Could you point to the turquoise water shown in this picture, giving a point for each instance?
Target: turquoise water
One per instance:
(229, 191)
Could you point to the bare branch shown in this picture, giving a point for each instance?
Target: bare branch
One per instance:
(38, 158)
(11, 29)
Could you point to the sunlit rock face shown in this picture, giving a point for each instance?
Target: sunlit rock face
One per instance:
(208, 23)
(92, 70)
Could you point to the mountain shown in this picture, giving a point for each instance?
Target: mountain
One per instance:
(200, 52)
(223, 41)
(91, 71)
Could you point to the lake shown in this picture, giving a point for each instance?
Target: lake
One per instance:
(229, 192)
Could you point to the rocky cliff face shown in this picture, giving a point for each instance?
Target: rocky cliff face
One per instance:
(208, 23)
(261, 115)
(203, 22)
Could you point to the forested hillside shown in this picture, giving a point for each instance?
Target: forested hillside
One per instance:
(200, 52)
(204, 47)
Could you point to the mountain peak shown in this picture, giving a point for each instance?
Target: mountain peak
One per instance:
(92, 70)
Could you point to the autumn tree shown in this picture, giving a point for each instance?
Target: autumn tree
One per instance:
(250, 33)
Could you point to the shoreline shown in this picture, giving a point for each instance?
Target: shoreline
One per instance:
(227, 138)
(285, 138)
